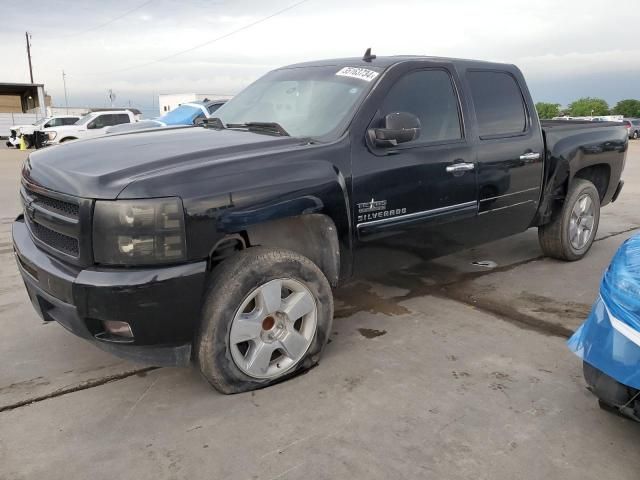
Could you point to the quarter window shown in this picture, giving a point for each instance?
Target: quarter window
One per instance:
(429, 95)
(498, 103)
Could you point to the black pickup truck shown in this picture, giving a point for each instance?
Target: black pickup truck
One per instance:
(221, 244)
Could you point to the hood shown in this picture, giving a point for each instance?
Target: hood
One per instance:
(62, 128)
(102, 167)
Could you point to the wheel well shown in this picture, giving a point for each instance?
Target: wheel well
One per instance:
(598, 175)
(67, 138)
(312, 235)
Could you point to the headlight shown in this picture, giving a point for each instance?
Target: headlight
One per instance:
(139, 232)
(51, 135)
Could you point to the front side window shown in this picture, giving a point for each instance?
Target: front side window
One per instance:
(310, 102)
(429, 95)
(69, 121)
(498, 103)
(100, 121)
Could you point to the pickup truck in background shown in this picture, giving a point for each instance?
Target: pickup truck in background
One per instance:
(221, 244)
(17, 131)
(190, 113)
(91, 125)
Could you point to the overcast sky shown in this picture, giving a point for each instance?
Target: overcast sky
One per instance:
(566, 49)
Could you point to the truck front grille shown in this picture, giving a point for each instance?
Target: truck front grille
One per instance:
(53, 220)
(59, 241)
(64, 208)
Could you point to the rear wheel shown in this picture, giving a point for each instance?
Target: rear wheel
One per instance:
(572, 229)
(267, 316)
(635, 135)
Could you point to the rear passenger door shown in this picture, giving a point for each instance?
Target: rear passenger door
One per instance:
(510, 151)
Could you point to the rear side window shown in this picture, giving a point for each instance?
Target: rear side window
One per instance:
(498, 102)
(119, 118)
(429, 95)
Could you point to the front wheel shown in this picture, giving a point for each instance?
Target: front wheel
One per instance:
(635, 135)
(267, 316)
(572, 229)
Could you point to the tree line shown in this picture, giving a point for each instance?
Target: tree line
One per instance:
(588, 106)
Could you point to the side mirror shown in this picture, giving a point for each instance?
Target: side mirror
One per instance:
(399, 127)
(198, 122)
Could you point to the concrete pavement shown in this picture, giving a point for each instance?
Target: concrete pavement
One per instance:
(443, 370)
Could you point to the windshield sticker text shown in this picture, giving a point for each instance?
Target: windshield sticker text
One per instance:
(360, 73)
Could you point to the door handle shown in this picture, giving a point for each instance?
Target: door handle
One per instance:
(460, 167)
(530, 157)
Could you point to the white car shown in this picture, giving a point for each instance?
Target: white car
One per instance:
(28, 130)
(91, 125)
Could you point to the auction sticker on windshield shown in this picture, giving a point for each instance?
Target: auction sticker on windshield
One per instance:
(361, 73)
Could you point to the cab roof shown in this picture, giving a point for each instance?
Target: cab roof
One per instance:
(384, 62)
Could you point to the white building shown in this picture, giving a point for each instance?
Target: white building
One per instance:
(169, 101)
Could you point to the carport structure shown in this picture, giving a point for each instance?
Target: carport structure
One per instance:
(22, 98)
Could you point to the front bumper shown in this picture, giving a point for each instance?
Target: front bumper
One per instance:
(161, 305)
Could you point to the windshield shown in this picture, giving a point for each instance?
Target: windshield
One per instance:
(84, 119)
(41, 121)
(183, 115)
(313, 102)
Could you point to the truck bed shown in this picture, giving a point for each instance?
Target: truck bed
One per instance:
(580, 147)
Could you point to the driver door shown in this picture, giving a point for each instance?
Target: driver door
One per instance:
(420, 193)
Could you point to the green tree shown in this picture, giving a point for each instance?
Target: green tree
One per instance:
(627, 108)
(548, 110)
(584, 107)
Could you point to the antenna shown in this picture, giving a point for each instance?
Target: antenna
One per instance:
(368, 56)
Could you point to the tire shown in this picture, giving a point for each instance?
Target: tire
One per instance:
(557, 238)
(245, 285)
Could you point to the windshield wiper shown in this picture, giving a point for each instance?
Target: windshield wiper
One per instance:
(272, 128)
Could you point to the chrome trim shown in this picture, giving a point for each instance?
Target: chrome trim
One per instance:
(530, 156)
(510, 194)
(508, 206)
(460, 167)
(417, 214)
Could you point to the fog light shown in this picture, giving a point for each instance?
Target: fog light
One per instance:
(121, 329)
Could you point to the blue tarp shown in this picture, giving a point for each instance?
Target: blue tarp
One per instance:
(183, 115)
(609, 339)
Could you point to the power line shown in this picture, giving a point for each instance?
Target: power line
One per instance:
(213, 40)
(108, 22)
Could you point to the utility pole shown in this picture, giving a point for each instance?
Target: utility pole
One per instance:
(27, 36)
(66, 101)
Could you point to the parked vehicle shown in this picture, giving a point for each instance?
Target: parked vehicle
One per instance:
(609, 341)
(633, 127)
(28, 130)
(186, 114)
(91, 125)
(222, 243)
